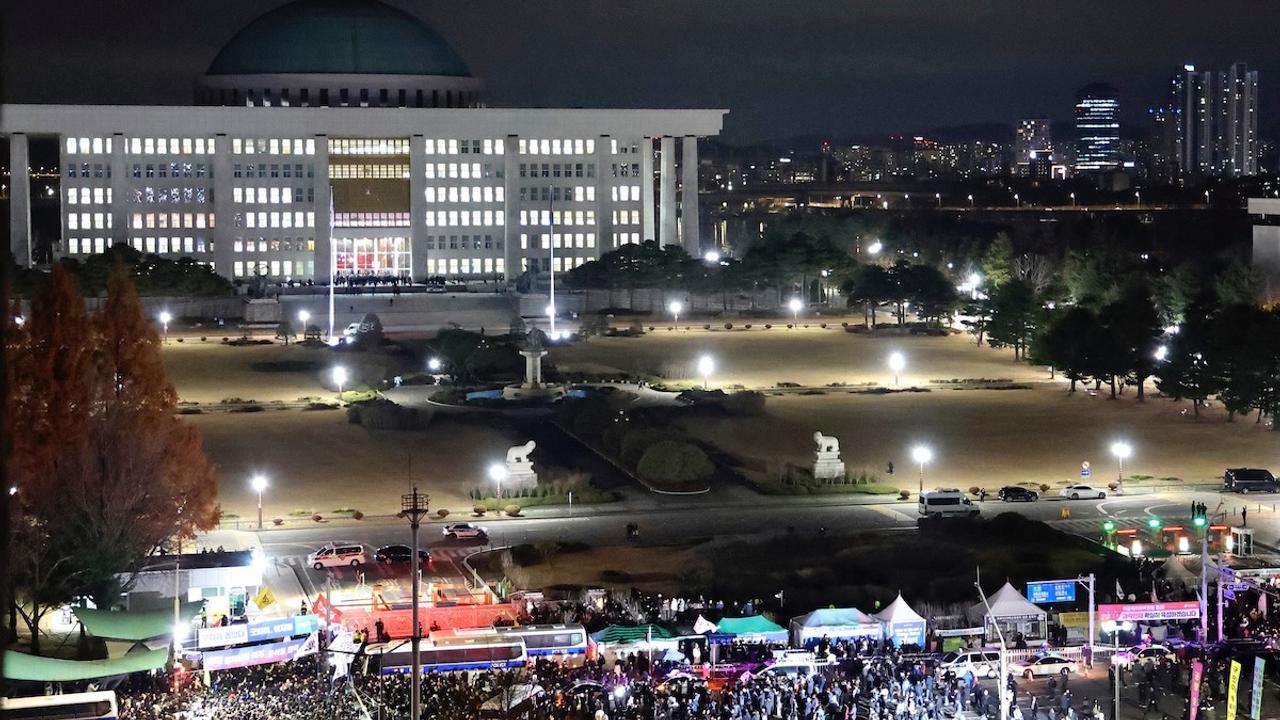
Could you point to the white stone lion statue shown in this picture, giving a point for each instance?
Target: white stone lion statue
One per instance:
(519, 455)
(826, 443)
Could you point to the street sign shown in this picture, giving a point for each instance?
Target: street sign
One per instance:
(1238, 587)
(1228, 594)
(1051, 591)
(1085, 470)
(1227, 573)
(1143, 612)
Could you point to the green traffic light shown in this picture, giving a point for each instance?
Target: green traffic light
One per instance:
(1153, 523)
(1109, 526)
(1199, 521)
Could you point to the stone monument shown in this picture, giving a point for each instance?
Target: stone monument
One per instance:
(520, 472)
(827, 464)
(532, 387)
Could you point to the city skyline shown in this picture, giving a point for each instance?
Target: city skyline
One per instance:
(859, 71)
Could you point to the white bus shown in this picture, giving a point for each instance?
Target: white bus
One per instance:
(75, 706)
(566, 641)
(459, 652)
(948, 502)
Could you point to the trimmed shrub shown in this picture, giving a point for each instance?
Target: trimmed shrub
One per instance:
(1044, 488)
(790, 326)
(904, 494)
(317, 518)
(203, 338)
(746, 403)
(1113, 485)
(179, 339)
(823, 326)
(650, 328)
(974, 490)
(636, 442)
(728, 326)
(478, 510)
(357, 515)
(706, 326)
(675, 464)
(512, 510)
(670, 328)
(768, 326)
(843, 325)
(747, 326)
(277, 522)
(442, 513)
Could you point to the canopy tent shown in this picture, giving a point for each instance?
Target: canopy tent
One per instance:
(133, 625)
(631, 633)
(834, 623)
(902, 625)
(754, 627)
(1013, 612)
(21, 666)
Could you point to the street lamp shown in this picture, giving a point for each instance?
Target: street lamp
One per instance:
(413, 507)
(970, 200)
(498, 473)
(795, 305)
(1138, 194)
(875, 247)
(340, 379)
(1161, 353)
(434, 364)
(259, 484)
(705, 366)
(1073, 199)
(19, 320)
(165, 317)
(897, 363)
(712, 257)
(304, 317)
(675, 307)
(1016, 201)
(921, 454)
(1122, 450)
(938, 197)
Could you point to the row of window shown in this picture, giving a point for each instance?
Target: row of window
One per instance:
(626, 193)
(272, 195)
(261, 170)
(175, 220)
(368, 146)
(168, 146)
(175, 195)
(626, 170)
(624, 238)
(442, 146)
(559, 240)
(370, 219)
(248, 245)
(576, 193)
(88, 196)
(273, 268)
(556, 146)
(626, 217)
(473, 218)
(273, 146)
(557, 217)
(369, 171)
(466, 266)
(86, 146)
(559, 170)
(176, 169)
(463, 242)
(469, 171)
(296, 219)
(622, 149)
(561, 264)
(85, 170)
(90, 246)
(89, 221)
(465, 194)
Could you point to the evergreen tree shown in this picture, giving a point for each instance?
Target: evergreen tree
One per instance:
(1014, 310)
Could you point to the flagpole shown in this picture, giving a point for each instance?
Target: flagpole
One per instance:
(333, 255)
(551, 245)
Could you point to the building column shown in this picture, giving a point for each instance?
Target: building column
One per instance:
(417, 207)
(667, 234)
(689, 196)
(119, 187)
(511, 207)
(646, 189)
(20, 199)
(224, 210)
(324, 228)
(604, 200)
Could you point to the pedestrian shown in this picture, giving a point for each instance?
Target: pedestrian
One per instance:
(890, 467)
(1244, 517)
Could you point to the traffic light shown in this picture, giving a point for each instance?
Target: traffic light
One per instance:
(1153, 523)
(1200, 521)
(1108, 526)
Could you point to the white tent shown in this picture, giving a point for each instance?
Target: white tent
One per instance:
(834, 623)
(902, 625)
(1013, 612)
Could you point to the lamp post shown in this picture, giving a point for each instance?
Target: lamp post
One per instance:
(1073, 199)
(875, 247)
(304, 317)
(1017, 202)
(795, 305)
(165, 317)
(498, 473)
(675, 307)
(970, 200)
(1002, 684)
(434, 365)
(921, 454)
(712, 256)
(1114, 628)
(413, 507)
(340, 379)
(1122, 450)
(938, 197)
(705, 366)
(897, 362)
(259, 484)
(1137, 194)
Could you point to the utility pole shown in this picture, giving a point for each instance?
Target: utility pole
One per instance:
(1089, 581)
(413, 507)
(1003, 683)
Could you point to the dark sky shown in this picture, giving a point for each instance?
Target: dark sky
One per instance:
(783, 67)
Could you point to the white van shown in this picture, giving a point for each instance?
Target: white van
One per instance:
(791, 663)
(338, 555)
(982, 663)
(948, 502)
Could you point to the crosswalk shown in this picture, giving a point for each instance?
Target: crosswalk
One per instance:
(1091, 528)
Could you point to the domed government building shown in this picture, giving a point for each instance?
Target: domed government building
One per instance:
(345, 137)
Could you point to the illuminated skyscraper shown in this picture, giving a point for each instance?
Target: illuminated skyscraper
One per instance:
(1215, 120)
(1098, 127)
(1033, 137)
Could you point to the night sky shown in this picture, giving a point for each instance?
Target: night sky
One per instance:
(783, 67)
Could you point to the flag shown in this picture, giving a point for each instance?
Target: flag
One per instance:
(1197, 675)
(1259, 666)
(1119, 590)
(1232, 689)
(702, 626)
(264, 598)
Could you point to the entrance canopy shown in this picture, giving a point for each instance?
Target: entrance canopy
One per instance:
(133, 625)
(834, 623)
(21, 666)
(753, 627)
(902, 625)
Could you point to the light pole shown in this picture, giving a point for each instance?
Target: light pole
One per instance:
(304, 317)
(938, 197)
(1138, 195)
(875, 247)
(498, 473)
(1003, 683)
(1073, 199)
(1017, 202)
(165, 317)
(897, 363)
(1114, 628)
(259, 484)
(922, 455)
(970, 201)
(705, 366)
(551, 315)
(340, 379)
(712, 257)
(1122, 450)
(675, 307)
(413, 507)
(434, 364)
(795, 305)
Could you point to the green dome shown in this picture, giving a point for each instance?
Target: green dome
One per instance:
(357, 37)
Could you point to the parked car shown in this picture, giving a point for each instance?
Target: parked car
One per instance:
(465, 531)
(388, 554)
(1043, 666)
(1247, 480)
(946, 503)
(1017, 493)
(1143, 654)
(982, 663)
(1075, 492)
(338, 555)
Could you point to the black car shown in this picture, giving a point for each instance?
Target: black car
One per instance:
(1017, 493)
(1247, 480)
(399, 554)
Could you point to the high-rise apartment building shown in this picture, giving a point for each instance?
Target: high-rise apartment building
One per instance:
(1098, 128)
(1032, 138)
(1214, 120)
